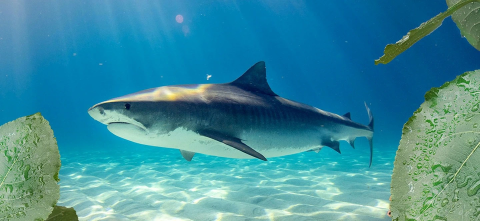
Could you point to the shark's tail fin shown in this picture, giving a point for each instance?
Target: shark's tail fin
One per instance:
(370, 139)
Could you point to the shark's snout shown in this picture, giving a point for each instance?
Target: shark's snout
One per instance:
(116, 119)
(97, 113)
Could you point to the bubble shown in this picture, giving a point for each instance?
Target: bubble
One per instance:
(179, 19)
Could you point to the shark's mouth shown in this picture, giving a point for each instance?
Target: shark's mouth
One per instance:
(139, 126)
(111, 123)
(126, 130)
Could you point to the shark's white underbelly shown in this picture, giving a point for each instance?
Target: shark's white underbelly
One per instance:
(268, 144)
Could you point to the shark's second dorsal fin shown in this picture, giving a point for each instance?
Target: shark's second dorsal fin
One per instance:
(255, 80)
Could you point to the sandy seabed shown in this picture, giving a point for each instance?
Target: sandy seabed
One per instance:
(158, 184)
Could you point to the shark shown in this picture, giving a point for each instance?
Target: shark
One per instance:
(241, 119)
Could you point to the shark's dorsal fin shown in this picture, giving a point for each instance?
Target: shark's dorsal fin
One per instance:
(255, 80)
(347, 115)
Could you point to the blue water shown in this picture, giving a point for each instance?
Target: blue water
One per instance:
(61, 57)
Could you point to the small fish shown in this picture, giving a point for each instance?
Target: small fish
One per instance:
(240, 119)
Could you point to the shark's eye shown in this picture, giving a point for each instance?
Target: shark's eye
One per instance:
(127, 106)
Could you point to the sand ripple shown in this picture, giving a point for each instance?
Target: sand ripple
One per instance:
(157, 184)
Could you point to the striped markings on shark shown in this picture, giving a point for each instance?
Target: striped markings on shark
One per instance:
(240, 119)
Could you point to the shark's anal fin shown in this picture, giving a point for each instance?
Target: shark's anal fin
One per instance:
(351, 141)
(233, 142)
(187, 155)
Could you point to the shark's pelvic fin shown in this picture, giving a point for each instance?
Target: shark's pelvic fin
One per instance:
(347, 115)
(335, 145)
(255, 80)
(233, 142)
(187, 155)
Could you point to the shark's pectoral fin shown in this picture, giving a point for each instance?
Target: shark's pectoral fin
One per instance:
(233, 142)
(335, 145)
(187, 155)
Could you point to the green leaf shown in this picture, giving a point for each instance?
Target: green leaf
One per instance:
(468, 21)
(29, 166)
(436, 169)
(61, 213)
(393, 50)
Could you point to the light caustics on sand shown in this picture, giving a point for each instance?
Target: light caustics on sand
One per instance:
(123, 189)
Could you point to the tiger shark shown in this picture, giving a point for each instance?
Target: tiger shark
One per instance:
(240, 119)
